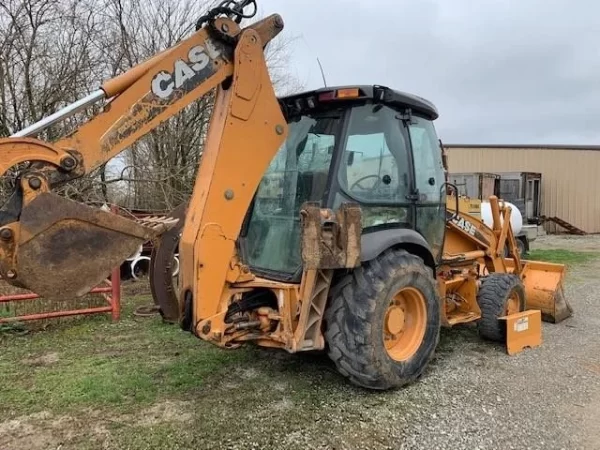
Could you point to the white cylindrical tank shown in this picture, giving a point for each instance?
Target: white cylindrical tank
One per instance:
(516, 219)
(144, 267)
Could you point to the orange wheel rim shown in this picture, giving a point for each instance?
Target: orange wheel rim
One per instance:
(405, 324)
(513, 305)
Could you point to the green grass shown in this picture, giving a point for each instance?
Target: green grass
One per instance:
(93, 369)
(98, 363)
(561, 256)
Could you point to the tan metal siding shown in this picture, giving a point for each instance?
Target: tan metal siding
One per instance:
(570, 178)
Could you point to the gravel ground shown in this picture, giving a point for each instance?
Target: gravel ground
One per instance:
(473, 395)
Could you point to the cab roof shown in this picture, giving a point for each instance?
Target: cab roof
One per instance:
(376, 93)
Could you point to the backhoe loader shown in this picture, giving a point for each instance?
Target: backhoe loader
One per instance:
(318, 221)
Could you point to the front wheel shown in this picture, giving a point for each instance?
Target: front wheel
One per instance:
(383, 321)
(501, 294)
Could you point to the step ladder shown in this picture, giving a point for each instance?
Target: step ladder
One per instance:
(571, 229)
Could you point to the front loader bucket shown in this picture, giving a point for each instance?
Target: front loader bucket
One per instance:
(544, 290)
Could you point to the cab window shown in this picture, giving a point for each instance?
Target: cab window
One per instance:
(375, 166)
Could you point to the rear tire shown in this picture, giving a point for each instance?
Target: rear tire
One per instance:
(396, 292)
(500, 294)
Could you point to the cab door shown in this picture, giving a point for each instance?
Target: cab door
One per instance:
(429, 195)
(374, 168)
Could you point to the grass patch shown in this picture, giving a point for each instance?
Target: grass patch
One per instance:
(97, 363)
(89, 370)
(561, 256)
(99, 385)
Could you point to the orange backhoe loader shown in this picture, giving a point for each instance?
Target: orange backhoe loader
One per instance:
(319, 221)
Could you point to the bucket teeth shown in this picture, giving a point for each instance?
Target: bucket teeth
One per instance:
(158, 224)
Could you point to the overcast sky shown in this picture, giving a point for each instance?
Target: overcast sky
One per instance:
(499, 71)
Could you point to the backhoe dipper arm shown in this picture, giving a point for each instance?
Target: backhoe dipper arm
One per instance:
(58, 248)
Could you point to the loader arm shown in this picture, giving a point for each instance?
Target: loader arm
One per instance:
(469, 238)
(57, 247)
(469, 241)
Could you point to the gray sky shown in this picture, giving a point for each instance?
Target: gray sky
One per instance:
(499, 71)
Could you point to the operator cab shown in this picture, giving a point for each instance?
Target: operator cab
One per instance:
(369, 145)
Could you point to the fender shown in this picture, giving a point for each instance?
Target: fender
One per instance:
(375, 243)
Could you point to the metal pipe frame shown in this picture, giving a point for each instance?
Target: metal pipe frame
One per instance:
(114, 303)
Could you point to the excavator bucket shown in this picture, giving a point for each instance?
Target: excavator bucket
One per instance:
(66, 248)
(544, 290)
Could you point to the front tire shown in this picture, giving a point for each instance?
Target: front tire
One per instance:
(500, 294)
(383, 321)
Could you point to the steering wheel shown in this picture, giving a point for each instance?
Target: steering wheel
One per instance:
(360, 180)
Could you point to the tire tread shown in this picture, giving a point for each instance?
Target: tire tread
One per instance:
(351, 312)
(495, 291)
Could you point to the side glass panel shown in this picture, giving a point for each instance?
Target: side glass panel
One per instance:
(429, 174)
(298, 173)
(427, 156)
(375, 166)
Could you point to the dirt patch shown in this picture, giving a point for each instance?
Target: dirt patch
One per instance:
(283, 405)
(249, 374)
(166, 412)
(36, 431)
(46, 359)
(44, 430)
(279, 386)
(132, 288)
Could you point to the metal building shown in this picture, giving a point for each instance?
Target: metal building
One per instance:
(570, 175)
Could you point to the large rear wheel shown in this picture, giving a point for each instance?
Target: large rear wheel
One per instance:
(383, 321)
